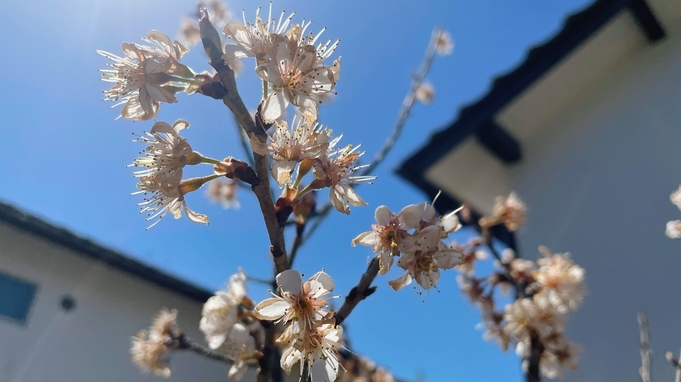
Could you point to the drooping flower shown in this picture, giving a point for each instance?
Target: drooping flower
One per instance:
(149, 348)
(166, 152)
(389, 236)
(302, 305)
(165, 197)
(334, 170)
(319, 348)
(147, 76)
(296, 76)
(424, 265)
(219, 314)
(290, 145)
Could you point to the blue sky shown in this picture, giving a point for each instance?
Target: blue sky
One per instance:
(65, 155)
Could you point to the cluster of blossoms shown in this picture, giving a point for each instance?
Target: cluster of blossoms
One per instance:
(546, 291)
(311, 337)
(415, 235)
(150, 348)
(673, 230)
(288, 60)
(361, 369)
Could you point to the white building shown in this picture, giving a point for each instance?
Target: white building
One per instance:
(69, 306)
(587, 130)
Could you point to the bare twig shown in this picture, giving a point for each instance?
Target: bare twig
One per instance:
(536, 350)
(407, 105)
(233, 101)
(519, 289)
(359, 292)
(297, 241)
(185, 343)
(259, 280)
(644, 345)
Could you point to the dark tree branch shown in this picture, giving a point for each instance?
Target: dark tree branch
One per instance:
(644, 345)
(233, 101)
(182, 342)
(359, 292)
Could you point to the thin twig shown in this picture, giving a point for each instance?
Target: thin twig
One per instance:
(407, 105)
(536, 350)
(297, 241)
(233, 101)
(520, 290)
(259, 280)
(185, 343)
(644, 345)
(362, 290)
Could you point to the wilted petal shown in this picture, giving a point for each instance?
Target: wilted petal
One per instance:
(337, 201)
(385, 261)
(447, 260)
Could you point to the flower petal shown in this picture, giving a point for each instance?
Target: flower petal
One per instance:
(274, 106)
(324, 280)
(271, 308)
(400, 282)
(290, 281)
(382, 215)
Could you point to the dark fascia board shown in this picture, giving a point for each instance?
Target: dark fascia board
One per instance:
(576, 29)
(96, 252)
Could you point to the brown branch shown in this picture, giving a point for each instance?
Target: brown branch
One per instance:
(536, 350)
(233, 101)
(519, 289)
(359, 292)
(644, 345)
(182, 342)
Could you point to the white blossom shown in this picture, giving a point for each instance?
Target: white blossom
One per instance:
(302, 305)
(253, 40)
(673, 230)
(224, 192)
(242, 347)
(147, 76)
(675, 197)
(319, 348)
(510, 210)
(290, 145)
(389, 236)
(166, 152)
(444, 45)
(149, 348)
(165, 196)
(296, 76)
(425, 93)
(560, 276)
(219, 314)
(334, 170)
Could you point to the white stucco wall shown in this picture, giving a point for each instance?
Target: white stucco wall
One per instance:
(597, 177)
(91, 342)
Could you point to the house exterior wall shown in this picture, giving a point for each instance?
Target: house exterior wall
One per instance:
(90, 342)
(597, 178)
